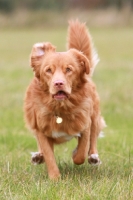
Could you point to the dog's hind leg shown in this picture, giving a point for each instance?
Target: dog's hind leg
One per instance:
(81, 151)
(93, 157)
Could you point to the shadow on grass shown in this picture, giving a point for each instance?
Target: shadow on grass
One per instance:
(120, 169)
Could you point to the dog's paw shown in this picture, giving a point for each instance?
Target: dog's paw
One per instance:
(37, 158)
(78, 159)
(94, 160)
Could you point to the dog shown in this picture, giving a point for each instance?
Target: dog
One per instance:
(61, 101)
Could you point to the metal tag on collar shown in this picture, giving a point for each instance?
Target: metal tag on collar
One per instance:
(59, 120)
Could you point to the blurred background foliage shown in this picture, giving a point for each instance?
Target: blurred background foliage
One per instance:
(53, 13)
(11, 5)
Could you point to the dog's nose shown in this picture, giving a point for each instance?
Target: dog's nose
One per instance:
(58, 83)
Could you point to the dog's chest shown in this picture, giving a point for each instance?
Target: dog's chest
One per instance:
(63, 127)
(65, 136)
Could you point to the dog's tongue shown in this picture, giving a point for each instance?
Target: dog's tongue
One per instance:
(60, 95)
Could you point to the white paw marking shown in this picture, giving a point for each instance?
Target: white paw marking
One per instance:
(95, 157)
(34, 154)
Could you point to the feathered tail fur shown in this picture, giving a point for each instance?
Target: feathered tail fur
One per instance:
(80, 39)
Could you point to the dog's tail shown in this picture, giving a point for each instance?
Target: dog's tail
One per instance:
(80, 39)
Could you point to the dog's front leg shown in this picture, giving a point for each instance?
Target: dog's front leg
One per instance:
(81, 151)
(46, 147)
(37, 157)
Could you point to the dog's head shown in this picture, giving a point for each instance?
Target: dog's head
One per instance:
(59, 72)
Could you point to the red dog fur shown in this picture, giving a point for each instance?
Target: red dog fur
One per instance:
(62, 87)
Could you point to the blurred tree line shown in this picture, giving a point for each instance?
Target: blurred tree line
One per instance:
(11, 5)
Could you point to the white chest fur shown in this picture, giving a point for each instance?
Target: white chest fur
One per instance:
(64, 135)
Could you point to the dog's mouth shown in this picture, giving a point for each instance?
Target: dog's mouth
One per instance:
(60, 95)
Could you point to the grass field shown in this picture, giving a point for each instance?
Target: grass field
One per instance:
(113, 180)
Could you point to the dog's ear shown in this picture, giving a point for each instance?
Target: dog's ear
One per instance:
(83, 61)
(37, 54)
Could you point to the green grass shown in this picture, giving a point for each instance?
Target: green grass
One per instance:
(113, 180)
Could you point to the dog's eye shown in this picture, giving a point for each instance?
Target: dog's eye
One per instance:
(49, 70)
(68, 69)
